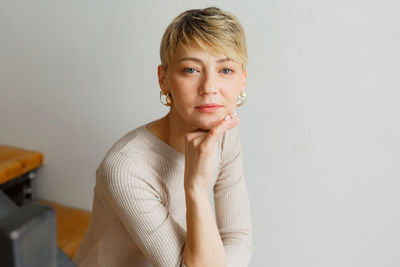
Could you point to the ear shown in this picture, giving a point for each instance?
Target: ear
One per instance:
(244, 78)
(162, 74)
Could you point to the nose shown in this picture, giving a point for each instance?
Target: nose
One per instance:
(209, 84)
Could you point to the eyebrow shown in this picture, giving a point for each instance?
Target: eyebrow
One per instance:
(199, 60)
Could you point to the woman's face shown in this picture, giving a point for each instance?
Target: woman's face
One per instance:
(196, 77)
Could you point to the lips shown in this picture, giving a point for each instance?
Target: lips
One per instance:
(209, 105)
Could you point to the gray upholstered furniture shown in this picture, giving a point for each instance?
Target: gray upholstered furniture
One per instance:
(28, 236)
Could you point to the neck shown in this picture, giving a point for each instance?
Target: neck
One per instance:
(171, 129)
(177, 128)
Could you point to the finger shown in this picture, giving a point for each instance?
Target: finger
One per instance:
(233, 125)
(225, 124)
(235, 122)
(200, 132)
(232, 122)
(197, 130)
(194, 134)
(215, 133)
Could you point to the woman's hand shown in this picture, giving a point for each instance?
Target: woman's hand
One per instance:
(199, 147)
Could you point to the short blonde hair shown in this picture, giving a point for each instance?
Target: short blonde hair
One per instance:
(211, 28)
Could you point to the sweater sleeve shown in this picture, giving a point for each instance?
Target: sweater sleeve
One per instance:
(232, 203)
(137, 203)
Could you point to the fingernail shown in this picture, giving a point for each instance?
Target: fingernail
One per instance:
(234, 114)
(227, 117)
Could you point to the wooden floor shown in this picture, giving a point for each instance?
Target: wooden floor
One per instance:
(72, 224)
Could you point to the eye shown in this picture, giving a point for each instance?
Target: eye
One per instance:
(189, 70)
(227, 71)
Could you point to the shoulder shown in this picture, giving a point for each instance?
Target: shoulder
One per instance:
(125, 173)
(126, 157)
(131, 139)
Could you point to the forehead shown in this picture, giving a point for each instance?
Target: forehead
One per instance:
(194, 50)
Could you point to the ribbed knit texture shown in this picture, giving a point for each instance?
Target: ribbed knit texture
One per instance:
(139, 210)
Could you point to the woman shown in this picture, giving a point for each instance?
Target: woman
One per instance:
(151, 203)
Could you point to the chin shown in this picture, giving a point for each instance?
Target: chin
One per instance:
(208, 124)
(205, 121)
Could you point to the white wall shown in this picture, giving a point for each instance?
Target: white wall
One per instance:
(320, 127)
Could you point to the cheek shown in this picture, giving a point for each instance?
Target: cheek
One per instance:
(182, 93)
(182, 88)
(232, 91)
(231, 96)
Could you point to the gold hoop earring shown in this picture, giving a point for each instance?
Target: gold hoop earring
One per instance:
(241, 99)
(167, 98)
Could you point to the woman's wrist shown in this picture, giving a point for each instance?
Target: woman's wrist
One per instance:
(193, 186)
(203, 245)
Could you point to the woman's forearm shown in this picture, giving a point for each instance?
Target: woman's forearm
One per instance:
(203, 245)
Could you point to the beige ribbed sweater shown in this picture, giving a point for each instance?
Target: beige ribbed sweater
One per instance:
(139, 210)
